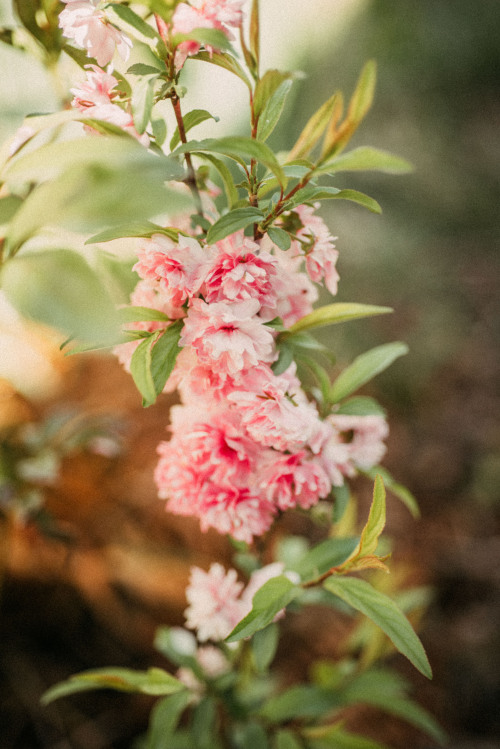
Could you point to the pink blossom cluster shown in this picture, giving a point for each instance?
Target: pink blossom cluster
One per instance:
(86, 23)
(204, 14)
(246, 443)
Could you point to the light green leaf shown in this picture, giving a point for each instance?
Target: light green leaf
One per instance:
(337, 312)
(264, 645)
(8, 207)
(342, 495)
(362, 97)
(226, 176)
(376, 521)
(365, 158)
(231, 222)
(314, 129)
(140, 369)
(266, 87)
(159, 128)
(117, 275)
(400, 491)
(279, 237)
(337, 738)
(132, 20)
(135, 229)
(58, 288)
(238, 148)
(287, 740)
(364, 368)
(362, 405)
(143, 69)
(214, 38)
(249, 735)
(228, 62)
(135, 314)
(153, 360)
(383, 611)
(154, 681)
(269, 117)
(191, 119)
(325, 555)
(255, 32)
(273, 596)
(164, 719)
(359, 197)
(142, 99)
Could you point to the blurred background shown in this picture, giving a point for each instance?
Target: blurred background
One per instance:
(110, 564)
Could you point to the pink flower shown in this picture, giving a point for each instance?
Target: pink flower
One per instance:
(204, 14)
(236, 511)
(275, 411)
(214, 606)
(320, 253)
(239, 271)
(297, 479)
(363, 438)
(85, 23)
(295, 292)
(227, 337)
(178, 268)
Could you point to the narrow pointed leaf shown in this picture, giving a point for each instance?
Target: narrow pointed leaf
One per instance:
(135, 314)
(400, 491)
(231, 222)
(232, 196)
(337, 312)
(273, 596)
(314, 129)
(133, 21)
(191, 119)
(358, 197)
(365, 158)
(364, 368)
(271, 113)
(382, 611)
(228, 62)
(136, 229)
(142, 99)
(164, 719)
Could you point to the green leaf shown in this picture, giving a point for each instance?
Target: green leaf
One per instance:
(8, 207)
(341, 496)
(249, 735)
(215, 38)
(154, 681)
(266, 87)
(285, 357)
(336, 738)
(376, 520)
(300, 702)
(325, 555)
(142, 69)
(362, 97)
(365, 158)
(231, 222)
(273, 596)
(164, 719)
(226, 176)
(135, 229)
(191, 119)
(203, 723)
(272, 111)
(364, 368)
(358, 197)
(142, 98)
(132, 20)
(287, 740)
(382, 611)
(58, 288)
(153, 361)
(117, 275)
(400, 491)
(135, 314)
(159, 128)
(279, 237)
(337, 312)
(362, 405)
(255, 32)
(238, 148)
(264, 645)
(228, 62)
(314, 129)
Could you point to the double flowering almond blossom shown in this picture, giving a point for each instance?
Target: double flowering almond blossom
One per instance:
(85, 22)
(204, 14)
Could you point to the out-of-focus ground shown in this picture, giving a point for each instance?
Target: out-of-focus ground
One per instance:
(433, 256)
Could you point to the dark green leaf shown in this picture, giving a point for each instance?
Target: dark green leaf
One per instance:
(329, 553)
(383, 611)
(130, 18)
(285, 358)
(273, 596)
(191, 119)
(300, 702)
(164, 719)
(264, 645)
(287, 740)
(364, 368)
(58, 288)
(203, 723)
(279, 237)
(231, 222)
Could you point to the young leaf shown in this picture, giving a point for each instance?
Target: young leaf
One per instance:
(154, 681)
(364, 368)
(383, 611)
(337, 312)
(395, 488)
(231, 222)
(273, 596)
(191, 119)
(228, 62)
(159, 129)
(255, 32)
(373, 529)
(314, 129)
(365, 158)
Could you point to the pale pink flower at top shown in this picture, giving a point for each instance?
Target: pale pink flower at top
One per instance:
(228, 337)
(206, 14)
(295, 480)
(86, 23)
(275, 411)
(214, 605)
(240, 271)
(177, 267)
(320, 253)
(363, 438)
